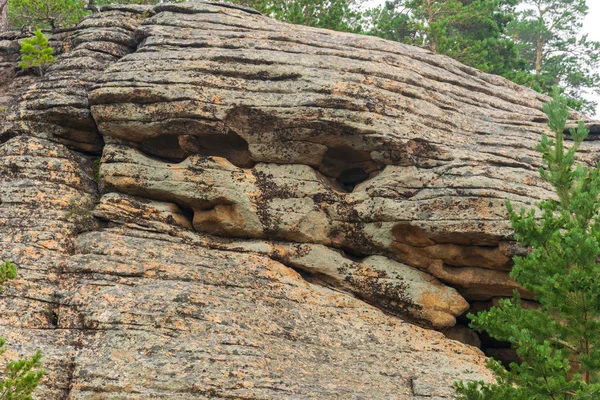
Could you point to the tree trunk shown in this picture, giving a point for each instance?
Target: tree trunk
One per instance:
(3, 15)
(539, 48)
(430, 17)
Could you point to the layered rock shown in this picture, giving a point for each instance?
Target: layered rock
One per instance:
(57, 108)
(9, 54)
(205, 203)
(296, 203)
(144, 307)
(392, 286)
(404, 153)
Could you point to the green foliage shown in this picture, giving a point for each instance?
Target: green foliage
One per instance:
(470, 31)
(537, 44)
(105, 2)
(58, 13)
(36, 53)
(45, 13)
(8, 271)
(339, 15)
(391, 21)
(548, 35)
(20, 377)
(146, 2)
(559, 342)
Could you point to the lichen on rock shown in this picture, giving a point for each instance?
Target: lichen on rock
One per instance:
(277, 211)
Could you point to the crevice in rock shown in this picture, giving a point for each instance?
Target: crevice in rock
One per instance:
(351, 177)
(8, 135)
(355, 257)
(187, 213)
(349, 167)
(241, 60)
(229, 145)
(70, 378)
(176, 148)
(389, 305)
(314, 278)
(354, 253)
(499, 350)
(393, 305)
(164, 147)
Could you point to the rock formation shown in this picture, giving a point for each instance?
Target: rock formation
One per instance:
(204, 202)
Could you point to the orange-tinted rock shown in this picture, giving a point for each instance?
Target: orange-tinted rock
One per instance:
(139, 306)
(274, 204)
(463, 334)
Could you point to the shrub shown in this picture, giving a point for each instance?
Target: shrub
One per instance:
(36, 53)
(46, 13)
(20, 377)
(558, 343)
(8, 271)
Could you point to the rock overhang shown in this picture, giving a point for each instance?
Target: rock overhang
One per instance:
(237, 150)
(396, 139)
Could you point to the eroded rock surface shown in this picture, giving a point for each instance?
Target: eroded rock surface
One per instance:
(140, 306)
(206, 203)
(57, 108)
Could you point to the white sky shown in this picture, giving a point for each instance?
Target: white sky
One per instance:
(591, 26)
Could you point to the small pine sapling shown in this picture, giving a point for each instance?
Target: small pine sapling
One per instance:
(36, 53)
(20, 378)
(8, 271)
(559, 342)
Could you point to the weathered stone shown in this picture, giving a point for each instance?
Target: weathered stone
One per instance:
(273, 204)
(57, 108)
(296, 203)
(394, 162)
(391, 286)
(463, 334)
(131, 311)
(434, 301)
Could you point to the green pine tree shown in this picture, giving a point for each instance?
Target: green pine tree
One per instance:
(548, 35)
(8, 271)
(558, 343)
(45, 13)
(338, 15)
(36, 53)
(470, 31)
(20, 378)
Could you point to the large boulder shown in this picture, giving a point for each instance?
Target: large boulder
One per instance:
(204, 202)
(128, 302)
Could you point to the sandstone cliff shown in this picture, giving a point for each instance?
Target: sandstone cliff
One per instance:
(206, 203)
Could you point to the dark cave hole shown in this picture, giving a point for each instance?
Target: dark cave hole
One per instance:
(353, 255)
(228, 145)
(176, 148)
(349, 167)
(165, 147)
(187, 212)
(349, 178)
